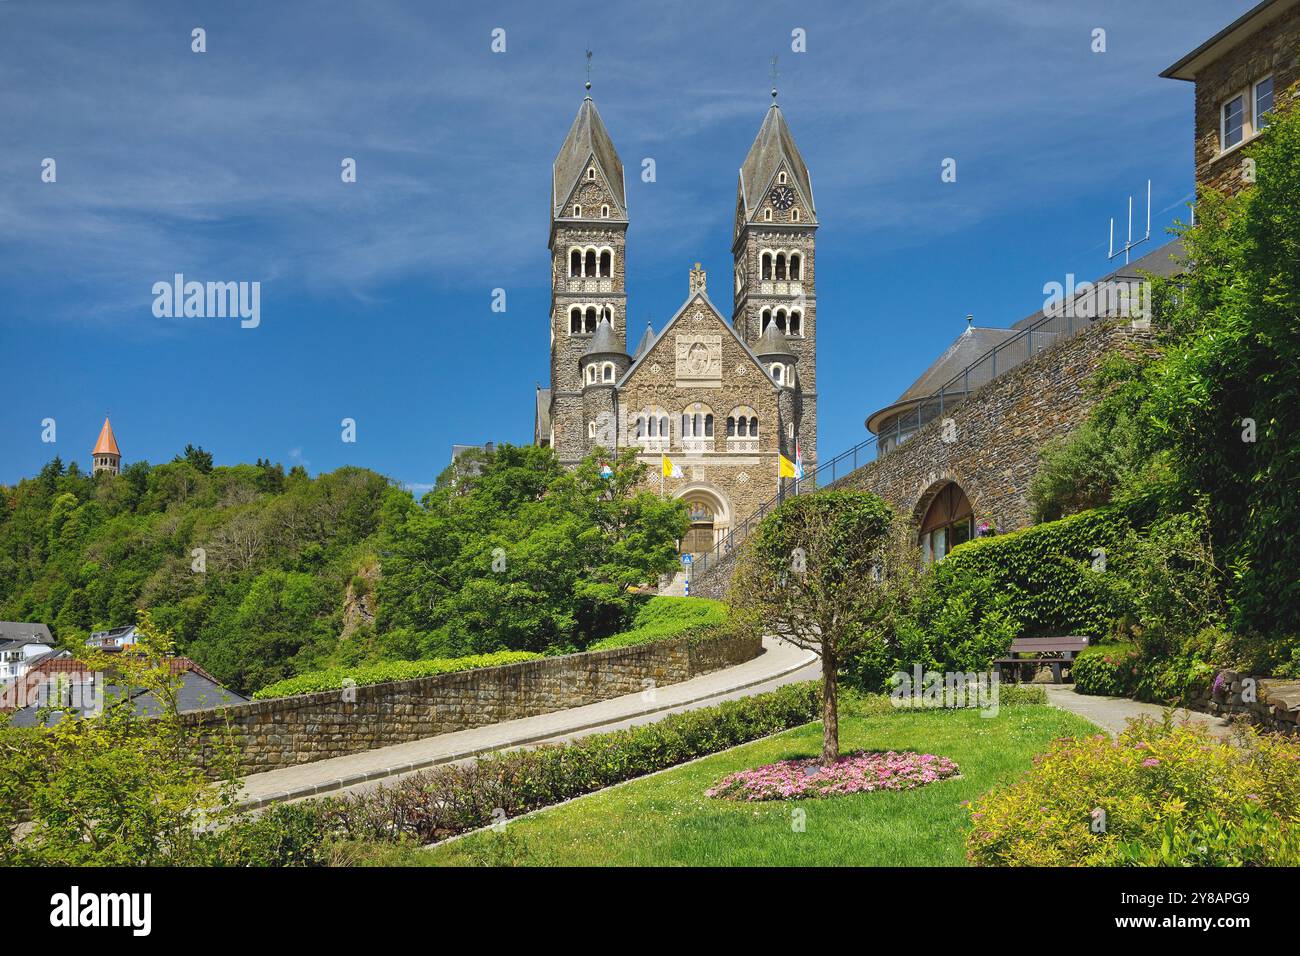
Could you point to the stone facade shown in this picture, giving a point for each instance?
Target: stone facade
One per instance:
(699, 364)
(1268, 51)
(991, 447)
(287, 731)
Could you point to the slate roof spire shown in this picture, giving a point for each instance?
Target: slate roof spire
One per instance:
(773, 148)
(587, 144)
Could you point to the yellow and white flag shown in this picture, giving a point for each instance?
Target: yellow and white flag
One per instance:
(669, 469)
(785, 468)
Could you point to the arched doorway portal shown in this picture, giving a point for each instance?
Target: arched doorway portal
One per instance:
(709, 514)
(948, 521)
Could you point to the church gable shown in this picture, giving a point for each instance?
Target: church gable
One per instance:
(698, 349)
(782, 200)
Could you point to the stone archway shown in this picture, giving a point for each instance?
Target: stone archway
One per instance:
(710, 516)
(944, 518)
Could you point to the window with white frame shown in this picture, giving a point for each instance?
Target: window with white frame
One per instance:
(591, 374)
(577, 209)
(1263, 100)
(604, 212)
(607, 372)
(697, 421)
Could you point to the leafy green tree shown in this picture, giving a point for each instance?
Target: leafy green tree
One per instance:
(119, 788)
(812, 573)
(196, 458)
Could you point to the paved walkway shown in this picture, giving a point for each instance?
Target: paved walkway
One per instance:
(1112, 714)
(779, 664)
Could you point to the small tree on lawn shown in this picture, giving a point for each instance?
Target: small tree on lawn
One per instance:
(812, 574)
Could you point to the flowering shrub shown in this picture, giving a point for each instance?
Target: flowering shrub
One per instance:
(859, 772)
(1159, 795)
(1109, 670)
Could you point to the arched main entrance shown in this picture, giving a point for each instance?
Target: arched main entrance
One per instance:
(709, 514)
(948, 521)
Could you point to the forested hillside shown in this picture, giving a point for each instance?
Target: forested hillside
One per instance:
(263, 575)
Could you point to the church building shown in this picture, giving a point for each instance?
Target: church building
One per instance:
(721, 399)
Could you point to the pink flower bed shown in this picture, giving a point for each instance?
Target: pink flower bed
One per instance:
(859, 772)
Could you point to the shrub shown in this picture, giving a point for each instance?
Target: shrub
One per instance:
(662, 618)
(447, 800)
(1047, 571)
(1159, 795)
(862, 771)
(1108, 669)
(333, 678)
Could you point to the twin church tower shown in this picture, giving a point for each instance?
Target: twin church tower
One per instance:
(721, 399)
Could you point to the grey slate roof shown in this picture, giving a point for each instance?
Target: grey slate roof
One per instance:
(773, 146)
(19, 632)
(196, 692)
(604, 341)
(647, 340)
(974, 343)
(773, 342)
(587, 138)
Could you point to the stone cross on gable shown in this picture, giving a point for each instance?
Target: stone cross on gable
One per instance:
(698, 279)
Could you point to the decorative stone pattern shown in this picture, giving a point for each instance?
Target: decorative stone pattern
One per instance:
(1271, 50)
(286, 731)
(1275, 707)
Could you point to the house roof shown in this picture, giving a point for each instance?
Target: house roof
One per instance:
(107, 444)
(588, 139)
(1250, 22)
(976, 342)
(61, 662)
(20, 632)
(773, 147)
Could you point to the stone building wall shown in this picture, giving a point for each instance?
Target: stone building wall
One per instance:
(1272, 50)
(286, 731)
(998, 433)
(997, 436)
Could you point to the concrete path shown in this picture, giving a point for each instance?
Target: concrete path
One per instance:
(1112, 714)
(780, 663)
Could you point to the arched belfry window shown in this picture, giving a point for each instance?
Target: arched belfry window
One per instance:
(590, 263)
(948, 521)
(796, 265)
(606, 263)
(767, 265)
(575, 320)
(575, 263)
(796, 323)
(780, 265)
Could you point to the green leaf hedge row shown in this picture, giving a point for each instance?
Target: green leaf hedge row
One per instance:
(662, 618)
(333, 678)
(1048, 571)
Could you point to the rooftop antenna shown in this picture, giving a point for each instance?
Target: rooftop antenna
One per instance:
(1129, 243)
(775, 74)
(588, 71)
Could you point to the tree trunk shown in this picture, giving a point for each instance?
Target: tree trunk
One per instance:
(830, 709)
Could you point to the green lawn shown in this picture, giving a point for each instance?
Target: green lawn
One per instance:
(667, 820)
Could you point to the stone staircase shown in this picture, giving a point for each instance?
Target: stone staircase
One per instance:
(675, 587)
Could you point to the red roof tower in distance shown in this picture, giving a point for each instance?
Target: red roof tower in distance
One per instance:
(106, 456)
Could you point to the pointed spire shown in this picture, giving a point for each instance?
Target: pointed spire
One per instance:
(773, 343)
(604, 341)
(107, 444)
(588, 144)
(647, 340)
(774, 148)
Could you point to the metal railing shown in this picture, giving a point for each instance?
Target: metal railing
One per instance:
(998, 360)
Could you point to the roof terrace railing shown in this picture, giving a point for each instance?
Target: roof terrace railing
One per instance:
(1029, 341)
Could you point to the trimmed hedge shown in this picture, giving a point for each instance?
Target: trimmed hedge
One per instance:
(662, 618)
(1047, 572)
(333, 678)
(1107, 669)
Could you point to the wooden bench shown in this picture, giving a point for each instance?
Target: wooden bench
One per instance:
(1053, 651)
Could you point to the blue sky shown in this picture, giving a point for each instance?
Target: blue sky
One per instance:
(376, 296)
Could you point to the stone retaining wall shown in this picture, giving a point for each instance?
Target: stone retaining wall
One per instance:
(1269, 703)
(286, 731)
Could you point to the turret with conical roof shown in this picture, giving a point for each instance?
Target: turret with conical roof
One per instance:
(106, 456)
(588, 241)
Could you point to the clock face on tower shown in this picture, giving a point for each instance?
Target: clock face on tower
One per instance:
(782, 197)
